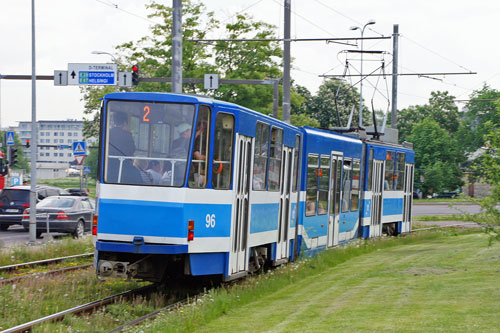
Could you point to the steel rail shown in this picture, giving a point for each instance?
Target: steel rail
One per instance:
(77, 309)
(148, 316)
(42, 262)
(52, 272)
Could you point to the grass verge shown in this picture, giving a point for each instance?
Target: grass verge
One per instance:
(66, 246)
(443, 280)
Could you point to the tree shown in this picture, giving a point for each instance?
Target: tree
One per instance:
(441, 108)
(489, 167)
(22, 161)
(92, 161)
(324, 106)
(480, 117)
(436, 153)
(235, 60)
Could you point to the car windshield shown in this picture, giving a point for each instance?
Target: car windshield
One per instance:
(147, 143)
(56, 202)
(9, 195)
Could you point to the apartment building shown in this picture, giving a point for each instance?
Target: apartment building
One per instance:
(55, 139)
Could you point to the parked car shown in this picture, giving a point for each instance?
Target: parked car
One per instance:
(14, 200)
(77, 191)
(67, 214)
(446, 194)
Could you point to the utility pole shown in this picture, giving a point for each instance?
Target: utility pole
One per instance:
(286, 65)
(395, 41)
(177, 46)
(34, 140)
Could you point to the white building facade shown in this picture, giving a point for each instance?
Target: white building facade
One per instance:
(55, 139)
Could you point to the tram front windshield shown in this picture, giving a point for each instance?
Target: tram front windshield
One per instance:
(147, 143)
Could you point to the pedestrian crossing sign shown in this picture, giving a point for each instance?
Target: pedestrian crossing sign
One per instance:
(78, 148)
(10, 138)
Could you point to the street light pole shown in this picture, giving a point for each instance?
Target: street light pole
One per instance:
(361, 72)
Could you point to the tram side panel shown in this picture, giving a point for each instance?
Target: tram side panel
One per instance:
(331, 175)
(387, 190)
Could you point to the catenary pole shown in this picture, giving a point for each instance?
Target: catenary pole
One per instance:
(177, 46)
(286, 65)
(395, 42)
(32, 225)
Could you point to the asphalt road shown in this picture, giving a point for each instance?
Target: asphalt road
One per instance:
(16, 235)
(444, 209)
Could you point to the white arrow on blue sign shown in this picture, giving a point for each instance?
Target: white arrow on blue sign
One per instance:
(78, 148)
(10, 138)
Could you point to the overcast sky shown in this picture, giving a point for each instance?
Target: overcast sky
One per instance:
(436, 36)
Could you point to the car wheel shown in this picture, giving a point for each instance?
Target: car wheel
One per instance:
(4, 227)
(78, 233)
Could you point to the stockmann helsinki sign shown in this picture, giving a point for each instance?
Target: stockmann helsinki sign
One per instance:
(92, 74)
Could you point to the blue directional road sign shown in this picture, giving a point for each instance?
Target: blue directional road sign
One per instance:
(92, 74)
(10, 138)
(86, 169)
(78, 148)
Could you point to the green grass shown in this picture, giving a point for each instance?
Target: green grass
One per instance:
(67, 246)
(434, 281)
(68, 182)
(450, 217)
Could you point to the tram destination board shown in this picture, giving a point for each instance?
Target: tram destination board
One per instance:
(92, 74)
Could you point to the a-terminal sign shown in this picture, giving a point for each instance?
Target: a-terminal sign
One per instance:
(92, 74)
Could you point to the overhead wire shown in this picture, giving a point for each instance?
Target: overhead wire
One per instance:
(241, 11)
(306, 19)
(115, 6)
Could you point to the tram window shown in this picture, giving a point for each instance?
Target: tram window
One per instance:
(198, 170)
(400, 176)
(275, 159)
(355, 186)
(223, 151)
(323, 175)
(389, 170)
(296, 164)
(260, 157)
(141, 151)
(312, 184)
(370, 169)
(346, 185)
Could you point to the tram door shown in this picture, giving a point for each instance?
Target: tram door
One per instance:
(377, 187)
(335, 188)
(239, 246)
(282, 248)
(408, 197)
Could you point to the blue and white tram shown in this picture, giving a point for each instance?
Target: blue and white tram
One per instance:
(190, 185)
(193, 185)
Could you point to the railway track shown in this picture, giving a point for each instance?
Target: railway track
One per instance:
(92, 306)
(45, 262)
(10, 268)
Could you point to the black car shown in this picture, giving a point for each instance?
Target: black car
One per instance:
(14, 200)
(77, 191)
(67, 214)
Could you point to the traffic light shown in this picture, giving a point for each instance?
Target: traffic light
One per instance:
(27, 143)
(135, 75)
(13, 156)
